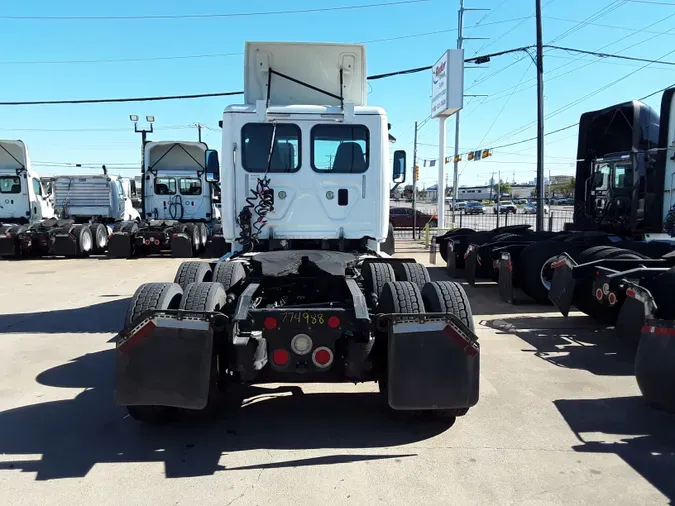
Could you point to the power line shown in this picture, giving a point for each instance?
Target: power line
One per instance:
(223, 55)
(473, 59)
(608, 55)
(652, 2)
(205, 16)
(614, 27)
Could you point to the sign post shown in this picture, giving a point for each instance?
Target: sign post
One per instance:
(447, 98)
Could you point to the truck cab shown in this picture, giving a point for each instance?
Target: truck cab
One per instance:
(305, 161)
(175, 186)
(23, 199)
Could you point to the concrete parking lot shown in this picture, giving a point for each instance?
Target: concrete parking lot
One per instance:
(560, 418)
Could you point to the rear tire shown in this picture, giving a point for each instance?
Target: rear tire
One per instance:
(413, 272)
(152, 296)
(84, 239)
(535, 260)
(375, 276)
(203, 297)
(192, 272)
(448, 297)
(192, 231)
(229, 274)
(204, 236)
(100, 234)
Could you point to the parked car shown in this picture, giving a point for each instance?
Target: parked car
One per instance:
(531, 208)
(402, 217)
(474, 208)
(506, 206)
(459, 205)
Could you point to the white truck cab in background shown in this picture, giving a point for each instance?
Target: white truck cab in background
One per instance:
(22, 197)
(305, 161)
(178, 208)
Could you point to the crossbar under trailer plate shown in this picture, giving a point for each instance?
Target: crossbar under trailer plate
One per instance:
(166, 359)
(434, 361)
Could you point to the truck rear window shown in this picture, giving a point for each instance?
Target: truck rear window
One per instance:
(10, 184)
(256, 139)
(343, 149)
(190, 186)
(165, 186)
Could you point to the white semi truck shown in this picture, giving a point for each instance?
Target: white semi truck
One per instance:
(178, 209)
(306, 294)
(23, 200)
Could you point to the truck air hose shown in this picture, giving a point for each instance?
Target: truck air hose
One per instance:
(176, 209)
(250, 230)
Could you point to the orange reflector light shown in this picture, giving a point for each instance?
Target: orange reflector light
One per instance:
(280, 357)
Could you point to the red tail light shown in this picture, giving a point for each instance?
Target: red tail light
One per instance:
(598, 294)
(280, 357)
(322, 357)
(333, 322)
(147, 242)
(270, 323)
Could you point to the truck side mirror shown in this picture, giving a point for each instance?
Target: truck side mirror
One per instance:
(212, 166)
(399, 166)
(598, 180)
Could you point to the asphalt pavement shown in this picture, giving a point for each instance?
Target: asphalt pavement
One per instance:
(560, 419)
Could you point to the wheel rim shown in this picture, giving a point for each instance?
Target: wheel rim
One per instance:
(546, 272)
(86, 241)
(101, 237)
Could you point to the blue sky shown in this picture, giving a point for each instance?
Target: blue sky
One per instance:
(397, 37)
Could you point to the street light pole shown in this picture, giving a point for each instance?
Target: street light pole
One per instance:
(540, 122)
(144, 138)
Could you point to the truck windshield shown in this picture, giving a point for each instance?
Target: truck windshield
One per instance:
(190, 186)
(256, 140)
(623, 176)
(340, 148)
(10, 184)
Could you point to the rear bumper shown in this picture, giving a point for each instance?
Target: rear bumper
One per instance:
(167, 358)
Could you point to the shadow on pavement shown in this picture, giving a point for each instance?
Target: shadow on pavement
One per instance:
(643, 437)
(576, 342)
(104, 317)
(74, 435)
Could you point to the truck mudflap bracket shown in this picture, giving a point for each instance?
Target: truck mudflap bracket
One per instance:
(434, 361)
(563, 283)
(120, 245)
(167, 359)
(638, 306)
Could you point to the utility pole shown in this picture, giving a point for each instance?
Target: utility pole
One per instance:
(199, 131)
(540, 122)
(460, 40)
(414, 182)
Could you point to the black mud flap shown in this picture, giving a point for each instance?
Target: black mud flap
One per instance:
(216, 247)
(165, 361)
(470, 259)
(120, 245)
(434, 362)
(505, 283)
(8, 247)
(637, 307)
(181, 246)
(64, 245)
(562, 284)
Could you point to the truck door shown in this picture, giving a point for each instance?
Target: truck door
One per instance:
(14, 197)
(44, 208)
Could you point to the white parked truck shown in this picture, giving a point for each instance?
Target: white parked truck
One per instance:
(306, 294)
(89, 208)
(23, 200)
(178, 210)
